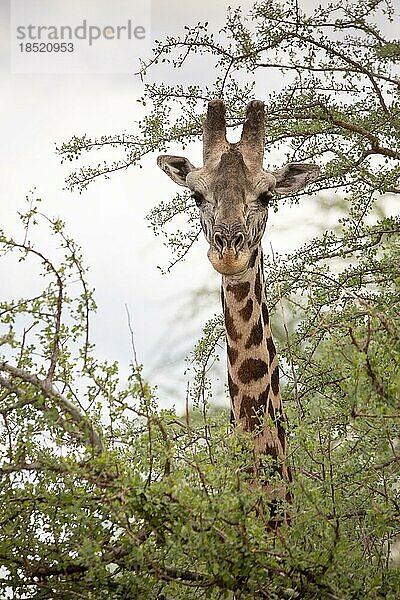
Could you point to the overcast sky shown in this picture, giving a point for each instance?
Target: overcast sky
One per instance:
(108, 221)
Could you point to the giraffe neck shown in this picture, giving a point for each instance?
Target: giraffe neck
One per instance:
(253, 374)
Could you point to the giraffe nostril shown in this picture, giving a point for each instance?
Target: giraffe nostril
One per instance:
(238, 242)
(219, 241)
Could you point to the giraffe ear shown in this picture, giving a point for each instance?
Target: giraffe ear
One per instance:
(294, 177)
(176, 167)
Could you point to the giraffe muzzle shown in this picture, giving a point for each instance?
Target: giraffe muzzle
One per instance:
(229, 253)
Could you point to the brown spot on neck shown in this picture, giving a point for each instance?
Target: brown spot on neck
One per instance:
(281, 434)
(271, 411)
(233, 388)
(240, 290)
(232, 354)
(258, 288)
(252, 369)
(247, 311)
(249, 410)
(275, 381)
(256, 335)
(230, 326)
(265, 313)
(263, 398)
(271, 349)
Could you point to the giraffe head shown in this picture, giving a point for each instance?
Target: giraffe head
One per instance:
(231, 189)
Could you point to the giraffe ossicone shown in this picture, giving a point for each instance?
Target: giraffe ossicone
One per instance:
(232, 191)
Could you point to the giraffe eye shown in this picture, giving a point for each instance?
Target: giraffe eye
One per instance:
(264, 198)
(198, 198)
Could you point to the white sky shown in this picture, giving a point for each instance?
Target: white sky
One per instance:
(108, 220)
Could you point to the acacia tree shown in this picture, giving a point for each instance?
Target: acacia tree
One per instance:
(103, 495)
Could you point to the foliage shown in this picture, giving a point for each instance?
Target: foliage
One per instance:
(105, 496)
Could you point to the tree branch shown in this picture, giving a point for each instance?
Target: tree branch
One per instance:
(49, 391)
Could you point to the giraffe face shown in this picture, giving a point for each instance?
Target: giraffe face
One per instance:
(233, 208)
(232, 190)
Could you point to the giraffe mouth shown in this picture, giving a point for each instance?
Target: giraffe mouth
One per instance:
(229, 262)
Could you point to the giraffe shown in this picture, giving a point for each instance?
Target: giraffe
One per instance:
(232, 192)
